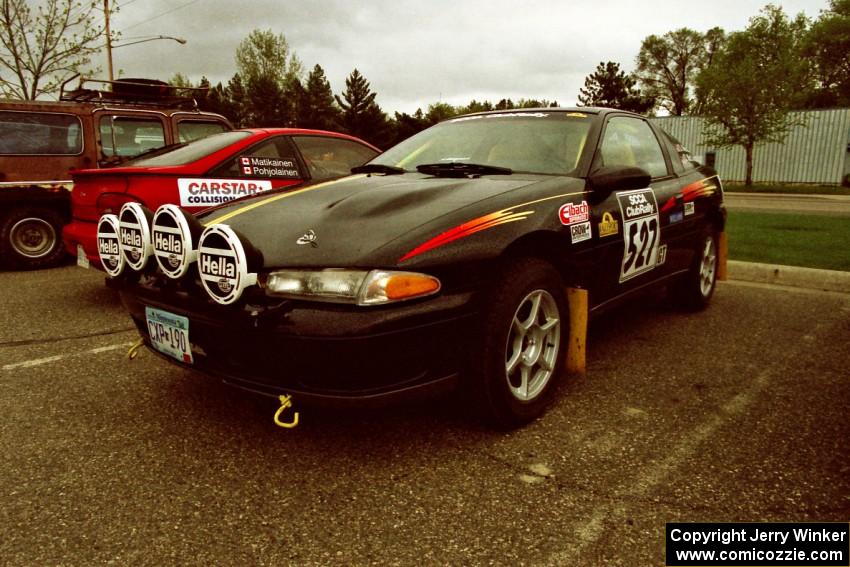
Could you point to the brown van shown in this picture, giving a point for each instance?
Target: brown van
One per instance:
(40, 142)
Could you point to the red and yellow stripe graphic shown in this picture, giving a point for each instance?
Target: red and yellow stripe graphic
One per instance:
(481, 223)
(692, 192)
(470, 227)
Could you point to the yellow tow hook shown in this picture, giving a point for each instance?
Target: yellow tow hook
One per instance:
(134, 350)
(285, 402)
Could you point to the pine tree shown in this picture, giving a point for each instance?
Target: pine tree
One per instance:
(405, 125)
(316, 105)
(361, 115)
(610, 87)
(236, 100)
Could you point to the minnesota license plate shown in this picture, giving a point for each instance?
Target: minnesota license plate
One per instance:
(169, 334)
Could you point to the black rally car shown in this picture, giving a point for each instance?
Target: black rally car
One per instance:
(443, 261)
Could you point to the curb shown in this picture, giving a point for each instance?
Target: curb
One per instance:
(793, 276)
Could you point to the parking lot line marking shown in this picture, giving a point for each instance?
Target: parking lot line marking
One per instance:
(48, 359)
(110, 347)
(652, 476)
(33, 362)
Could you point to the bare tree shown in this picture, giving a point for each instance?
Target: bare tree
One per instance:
(41, 50)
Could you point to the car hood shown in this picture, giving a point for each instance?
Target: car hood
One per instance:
(361, 221)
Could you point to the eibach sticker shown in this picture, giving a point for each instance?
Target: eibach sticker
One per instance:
(277, 168)
(641, 232)
(207, 192)
(571, 213)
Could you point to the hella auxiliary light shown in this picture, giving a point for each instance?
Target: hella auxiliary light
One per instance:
(226, 265)
(174, 236)
(134, 229)
(109, 245)
(375, 287)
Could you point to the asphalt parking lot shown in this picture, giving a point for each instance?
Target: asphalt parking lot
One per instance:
(738, 413)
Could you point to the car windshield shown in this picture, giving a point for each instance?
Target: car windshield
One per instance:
(193, 151)
(524, 142)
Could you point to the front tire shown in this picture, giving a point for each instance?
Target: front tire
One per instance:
(523, 344)
(31, 238)
(696, 288)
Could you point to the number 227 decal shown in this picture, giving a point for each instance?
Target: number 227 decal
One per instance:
(641, 232)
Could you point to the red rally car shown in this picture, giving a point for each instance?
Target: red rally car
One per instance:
(208, 172)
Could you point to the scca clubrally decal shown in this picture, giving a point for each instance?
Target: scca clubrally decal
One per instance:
(641, 232)
(208, 192)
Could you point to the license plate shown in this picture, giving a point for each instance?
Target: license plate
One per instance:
(169, 334)
(82, 259)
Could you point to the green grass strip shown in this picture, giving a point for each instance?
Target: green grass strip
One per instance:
(811, 241)
(789, 188)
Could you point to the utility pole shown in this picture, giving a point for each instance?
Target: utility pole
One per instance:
(108, 38)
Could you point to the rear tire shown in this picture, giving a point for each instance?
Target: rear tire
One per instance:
(694, 291)
(31, 238)
(523, 344)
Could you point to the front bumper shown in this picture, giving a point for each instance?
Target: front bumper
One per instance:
(324, 354)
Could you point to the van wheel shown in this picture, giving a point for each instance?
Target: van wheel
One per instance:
(31, 238)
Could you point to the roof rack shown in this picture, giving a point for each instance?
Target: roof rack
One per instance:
(147, 92)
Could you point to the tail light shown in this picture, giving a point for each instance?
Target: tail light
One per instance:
(111, 203)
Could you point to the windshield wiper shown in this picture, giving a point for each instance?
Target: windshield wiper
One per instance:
(378, 168)
(461, 169)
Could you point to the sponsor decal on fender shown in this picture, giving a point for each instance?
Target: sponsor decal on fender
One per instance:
(196, 192)
(689, 208)
(676, 216)
(662, 255)
(580, 232)
(608, 226)
(571, 213)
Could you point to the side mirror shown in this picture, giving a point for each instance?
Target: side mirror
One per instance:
(617, 178)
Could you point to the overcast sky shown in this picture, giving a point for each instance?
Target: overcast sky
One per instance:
(417, 53)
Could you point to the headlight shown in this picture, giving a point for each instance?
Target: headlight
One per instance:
(351, 286)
